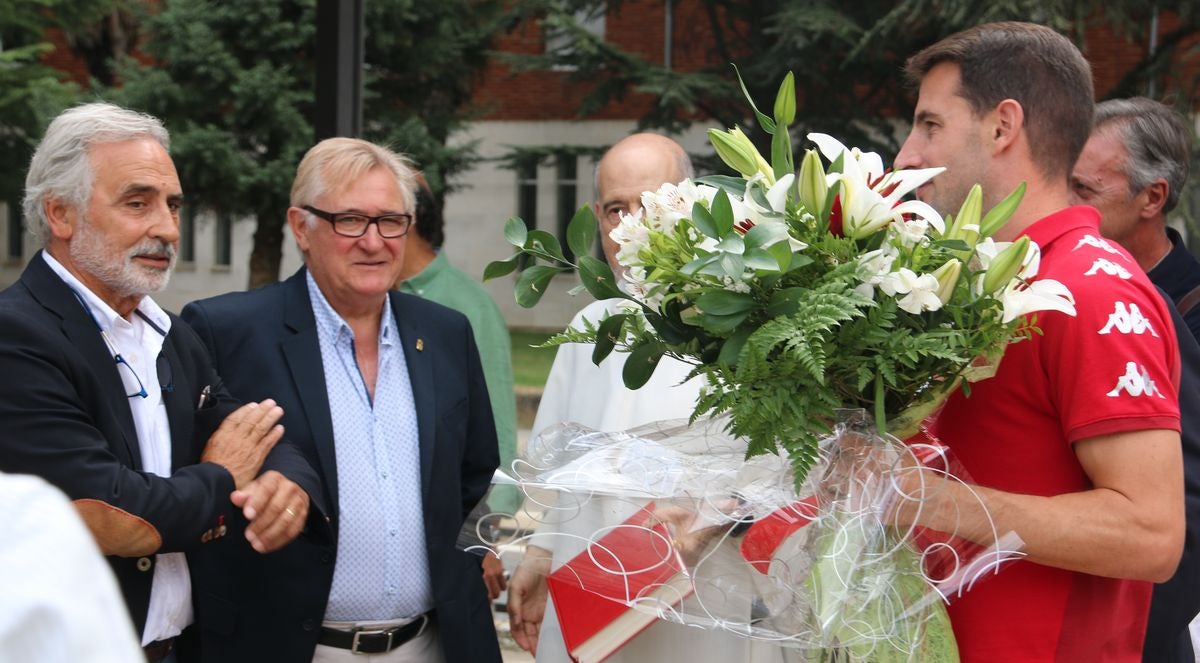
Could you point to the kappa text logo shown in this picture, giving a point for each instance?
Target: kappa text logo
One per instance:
(1099, 243)
(1108, 267)
(1136, 383)
(1128, 321)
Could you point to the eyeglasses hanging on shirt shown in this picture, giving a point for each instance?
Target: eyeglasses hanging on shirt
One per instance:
(162, 366)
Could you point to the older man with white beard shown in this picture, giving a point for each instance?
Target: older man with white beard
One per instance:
(108, 397)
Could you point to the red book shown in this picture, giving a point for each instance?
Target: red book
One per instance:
(633, 563)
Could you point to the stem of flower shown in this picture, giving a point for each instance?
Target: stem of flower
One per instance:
(880, 419)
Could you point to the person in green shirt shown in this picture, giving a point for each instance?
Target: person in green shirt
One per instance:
(427, 273)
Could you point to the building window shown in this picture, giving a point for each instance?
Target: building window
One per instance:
(16, 232)
(223, 240)
(527, 195)
(566, 196)
(187, 234)
(561, 39)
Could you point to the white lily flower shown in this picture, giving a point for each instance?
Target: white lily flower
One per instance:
(919, 290)
(631, 235)
(878, 263)
(747, 212)
(870, 197)
(911, 233)
(1022, 297)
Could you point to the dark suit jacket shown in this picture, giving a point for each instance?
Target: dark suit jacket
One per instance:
(1177, 601)
(264, 343)
(64, 415)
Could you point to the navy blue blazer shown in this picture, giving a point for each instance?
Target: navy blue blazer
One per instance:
(64, 415)
(264, 343)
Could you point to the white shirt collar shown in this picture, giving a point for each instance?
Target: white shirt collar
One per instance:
(104, 314)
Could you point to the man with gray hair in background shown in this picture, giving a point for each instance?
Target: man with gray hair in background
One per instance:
(114, 400)
(1133, 168)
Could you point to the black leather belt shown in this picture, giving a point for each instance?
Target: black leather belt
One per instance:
(373, 641)
(158, 650)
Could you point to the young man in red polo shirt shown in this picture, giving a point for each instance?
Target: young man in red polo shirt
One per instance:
(1074, 444)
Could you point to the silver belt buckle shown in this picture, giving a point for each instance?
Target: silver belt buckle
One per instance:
(354, 643)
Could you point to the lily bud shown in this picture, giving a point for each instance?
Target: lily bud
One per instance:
(1000, 214)
(785, 101)
(812, 183)
(947, 278)
(1005, 266)
(966, 222)
(736, 150)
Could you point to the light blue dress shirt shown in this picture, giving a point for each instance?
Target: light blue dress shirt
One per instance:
(382, 569)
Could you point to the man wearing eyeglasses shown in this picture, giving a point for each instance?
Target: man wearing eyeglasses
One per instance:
(386, 392)
(115, 401)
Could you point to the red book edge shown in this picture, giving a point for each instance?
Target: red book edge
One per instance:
(594, 604)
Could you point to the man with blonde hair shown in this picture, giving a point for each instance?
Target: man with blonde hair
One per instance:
(385, 392)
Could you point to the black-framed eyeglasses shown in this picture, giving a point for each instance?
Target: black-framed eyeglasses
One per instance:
(351, 224)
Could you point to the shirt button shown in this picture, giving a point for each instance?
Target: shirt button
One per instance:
(392, 532)
(144, 564)
(309, 625)
(383, 474)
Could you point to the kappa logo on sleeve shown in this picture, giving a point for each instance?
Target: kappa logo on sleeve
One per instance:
(1128, 321)
(1098, 242)
(1135, 383)
(1108, 267)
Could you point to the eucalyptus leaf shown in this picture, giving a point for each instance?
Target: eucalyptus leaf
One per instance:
(782, 252)
(724, 302)
(728, 183)
(733, 243)
(785, 302)
(700, 263)
(532, 284)
(607, 336)
(641, 364)
(597, 277)
(703, 220)
(762, 260)
(732, 265)
(759, 235)
(515, 231)
(723, 324)
(581, 231)
(733, 347)
(498, 268)
(722, 212)
(759, 195)
(542, 242)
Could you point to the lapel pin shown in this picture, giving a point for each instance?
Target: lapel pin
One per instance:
(420, 345)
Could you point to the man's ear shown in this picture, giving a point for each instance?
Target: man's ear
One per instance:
(1153, 197)
(61, 216)
(298, 222)
(1008, 121)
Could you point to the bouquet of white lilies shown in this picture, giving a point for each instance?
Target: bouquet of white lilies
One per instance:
(798, 294)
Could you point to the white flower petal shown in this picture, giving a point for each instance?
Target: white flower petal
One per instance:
(1043, 295)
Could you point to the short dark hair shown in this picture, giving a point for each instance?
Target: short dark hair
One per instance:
(1157, 139)
(430, 224)
(1031, 64)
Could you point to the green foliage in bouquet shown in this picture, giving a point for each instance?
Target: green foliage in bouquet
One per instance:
(798, 294)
